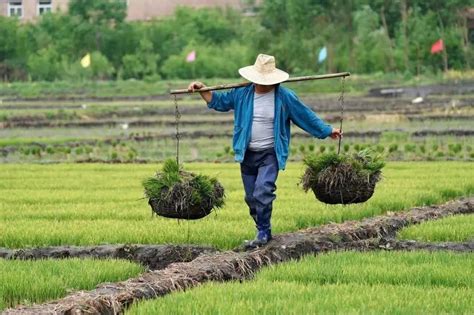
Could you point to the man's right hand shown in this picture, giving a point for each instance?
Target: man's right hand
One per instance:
(196, 85)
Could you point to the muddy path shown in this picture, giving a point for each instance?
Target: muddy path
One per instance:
(393, 244)
(151, 256)
(114, 298)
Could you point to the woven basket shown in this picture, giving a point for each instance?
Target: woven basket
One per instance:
(357, 190)
(192, 212)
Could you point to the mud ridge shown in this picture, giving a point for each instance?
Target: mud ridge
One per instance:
(114, 298)
(152, 256)
(409, 245)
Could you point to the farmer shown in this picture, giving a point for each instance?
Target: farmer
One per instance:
(262, 114)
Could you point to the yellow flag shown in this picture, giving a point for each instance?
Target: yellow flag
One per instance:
(86, 61)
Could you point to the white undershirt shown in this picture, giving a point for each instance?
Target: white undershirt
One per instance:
(263, 121)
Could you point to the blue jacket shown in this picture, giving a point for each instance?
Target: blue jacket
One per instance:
(287, 108)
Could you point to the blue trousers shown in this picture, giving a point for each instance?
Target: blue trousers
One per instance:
(259, 171)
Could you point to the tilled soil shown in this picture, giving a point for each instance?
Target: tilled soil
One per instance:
(152, 256)
(139, 112)
(238, 264)
(393, 244)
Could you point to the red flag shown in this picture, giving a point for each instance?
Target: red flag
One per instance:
(437, 47)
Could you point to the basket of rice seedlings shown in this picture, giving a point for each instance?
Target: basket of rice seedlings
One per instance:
(174, 193)
(342, 179)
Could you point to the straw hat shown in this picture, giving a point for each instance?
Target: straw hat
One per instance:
(264, 71)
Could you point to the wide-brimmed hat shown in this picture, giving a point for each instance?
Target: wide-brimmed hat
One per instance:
(264, 71)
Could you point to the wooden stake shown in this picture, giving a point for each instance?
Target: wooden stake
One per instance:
(235, 85)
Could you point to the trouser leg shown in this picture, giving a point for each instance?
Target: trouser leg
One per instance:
(249, 176)
(264, 191)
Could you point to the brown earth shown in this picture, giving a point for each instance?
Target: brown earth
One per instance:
(151, 256)
(352, 106)
(368, 234)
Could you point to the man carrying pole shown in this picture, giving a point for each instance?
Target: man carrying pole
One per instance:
(263, 111)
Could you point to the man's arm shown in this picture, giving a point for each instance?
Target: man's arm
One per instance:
(221, 102)
(307, 120)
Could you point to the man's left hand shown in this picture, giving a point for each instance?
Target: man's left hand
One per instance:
(336, 133)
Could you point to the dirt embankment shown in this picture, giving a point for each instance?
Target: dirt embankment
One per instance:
(239, 265)
(152, 256)
(353, 107)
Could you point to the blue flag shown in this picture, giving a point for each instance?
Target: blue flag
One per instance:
(323, 54)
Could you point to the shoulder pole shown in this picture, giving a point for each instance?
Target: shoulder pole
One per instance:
(236, 85)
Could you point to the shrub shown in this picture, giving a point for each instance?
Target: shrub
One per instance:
(393, 147)
(455, 147)
(409, 147)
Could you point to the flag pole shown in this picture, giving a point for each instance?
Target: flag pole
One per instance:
(444, 50)
(236, 85)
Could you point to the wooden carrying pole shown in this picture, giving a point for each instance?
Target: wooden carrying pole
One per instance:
(236, 85)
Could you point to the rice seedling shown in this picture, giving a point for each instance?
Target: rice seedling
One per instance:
(88, 204)
(342, 179)
(342, 283)
(174, 193)
(450, 229)
(29, 282)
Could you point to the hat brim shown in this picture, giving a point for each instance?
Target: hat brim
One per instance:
(274, 77)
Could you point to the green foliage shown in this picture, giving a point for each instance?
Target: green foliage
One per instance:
(364, 37)
(100, 66)
(100, 12)
(142, 63)
(208, 64)
(44, 65)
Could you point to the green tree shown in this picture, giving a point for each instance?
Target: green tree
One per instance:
(45, 64)
(141, 64)
(94, 17)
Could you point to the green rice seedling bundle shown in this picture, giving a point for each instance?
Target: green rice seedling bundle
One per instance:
(174, 193)
(342, 179)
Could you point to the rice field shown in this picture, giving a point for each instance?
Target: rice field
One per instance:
(342, 283)
(26, 282)
(349, 282)
(453, 229)
(75, 204)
